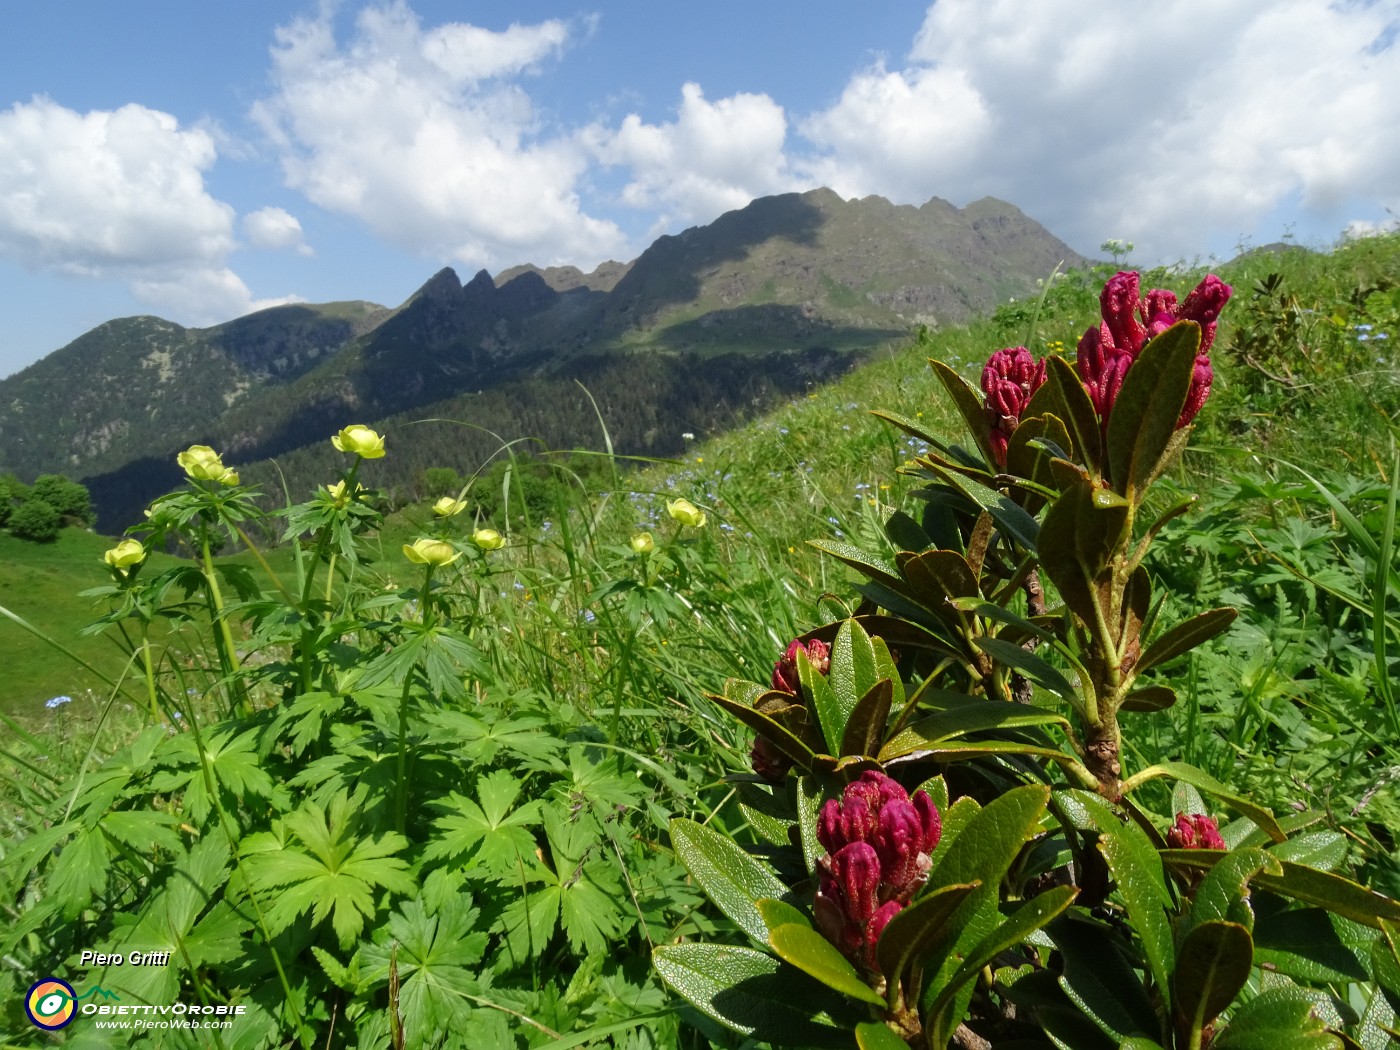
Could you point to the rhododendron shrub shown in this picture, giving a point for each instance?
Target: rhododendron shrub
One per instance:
(956, 848)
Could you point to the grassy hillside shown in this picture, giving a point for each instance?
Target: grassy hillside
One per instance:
(480, 797)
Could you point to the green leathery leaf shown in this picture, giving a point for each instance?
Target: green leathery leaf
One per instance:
(917, 926)
(1203, 781)
(831, 710)
(809, 801)
(1149, 698)
(780, 913)
(751, 992)
(1301, 883)
(777, 734)
(1012, 519)
(1323, 850)
(1028, 453)
(978, 717)
(817, 957)
(1137, 869)
(1063, 394)
(1280, 1018)
(1309, 944)
(1225, 886)
(1385, 963)
(730, 877)
(869, 565)
(1025, 920)
(1212, 966)
(905, 533)
(1186, 636)
(1033, 667)
(969, 406)
(1079, 535)
(852, 672)
(885, 668)
(1100, 981)
(865, 729)
(872, 1035)
(1144, 415)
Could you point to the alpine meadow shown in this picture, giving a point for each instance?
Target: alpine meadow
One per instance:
(1026, 681)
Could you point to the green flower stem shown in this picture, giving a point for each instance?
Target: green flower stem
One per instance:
(228, 655)
(150, 672)
(257, 555)
(401, 787)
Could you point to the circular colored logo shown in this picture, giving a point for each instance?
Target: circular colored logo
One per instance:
(49, 1004)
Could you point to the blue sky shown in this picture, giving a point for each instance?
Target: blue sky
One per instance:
(200, 161)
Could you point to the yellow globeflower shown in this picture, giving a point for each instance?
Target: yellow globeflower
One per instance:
(488, 539)
(447, 507)
(642, 543)
(431, 552)
(341, 496)
(125, 555)
(687, 513)
(204, 464)
(360, 440)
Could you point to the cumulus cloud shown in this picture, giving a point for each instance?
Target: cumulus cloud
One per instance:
(1163, 130)
(103, 192)
(274, 229)
(120, 195)
(715, 156)
(422, 135)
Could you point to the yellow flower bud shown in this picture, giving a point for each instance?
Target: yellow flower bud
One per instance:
(360, 440)
(687, 513)
(431, 552)
(488, 539)
(341, 496)
(125, 555)
(642, 543)
(202, 463)
(447, 507)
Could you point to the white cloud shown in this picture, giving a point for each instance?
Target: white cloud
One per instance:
(100, 193)
(202, 296)
(715, 156)
(274, 229)
(1165, 130)
(121, 195)
(419, 134)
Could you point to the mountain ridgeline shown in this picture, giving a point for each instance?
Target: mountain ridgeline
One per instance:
(700, 331)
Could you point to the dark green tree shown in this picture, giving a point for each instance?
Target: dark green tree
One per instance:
(36, 520)
(68, 497)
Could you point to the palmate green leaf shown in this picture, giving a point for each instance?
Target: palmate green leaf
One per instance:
(332, 873)
(599, 783)
(437, 961)
(1279, 1018)
(81, 871)
(142, 829)
(589, 890)
(735, 881)
(481, 740)
(498, 833)
(754, 994)
(234, 762)
(1212, 965)
(1144, 416)
(528, 923)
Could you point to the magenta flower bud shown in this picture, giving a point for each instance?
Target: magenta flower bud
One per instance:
(1203, 306)
(899, 841)
(768, 762)
(1120, 304)
(1196, 831)
(855, 871)
(1201, 379)
(929, 821)
(878, 922)
(785, 670)
(1009, 379)
(1101, 367)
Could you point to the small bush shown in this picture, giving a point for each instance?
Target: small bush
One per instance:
(36, 520)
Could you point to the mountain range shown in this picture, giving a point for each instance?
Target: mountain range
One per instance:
(699, 330)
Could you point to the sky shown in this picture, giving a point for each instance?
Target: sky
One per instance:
(200, 161)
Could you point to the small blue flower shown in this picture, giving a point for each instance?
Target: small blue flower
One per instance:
(588, 615)
(58, 701)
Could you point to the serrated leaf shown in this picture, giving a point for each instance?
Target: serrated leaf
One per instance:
(1212, 966)
(729, 876)
(1148, 405)
(751, 992)
(1186, 636)
(489, 831)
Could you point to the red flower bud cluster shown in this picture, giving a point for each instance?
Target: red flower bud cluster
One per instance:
(878, 841)
(1009, 379)
(767, 761)
(1196, 831)
(1130, 321)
